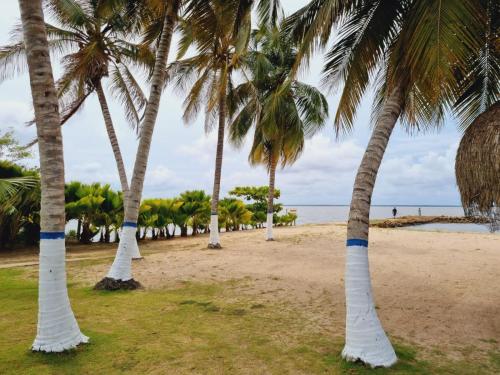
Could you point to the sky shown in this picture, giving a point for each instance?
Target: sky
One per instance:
(417, 169)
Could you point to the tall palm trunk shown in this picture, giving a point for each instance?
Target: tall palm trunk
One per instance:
(365, 337)
(214, 242)
(270, 201)
(113, 140)
(121, 268)
(57, 326)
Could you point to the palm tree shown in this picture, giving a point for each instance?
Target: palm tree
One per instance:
(57, 327)
(210, 28)
(284, 112)
(220, 31)
(196, 207)
(121, 271)
(233, 214)
(92, 36)
(417, 49)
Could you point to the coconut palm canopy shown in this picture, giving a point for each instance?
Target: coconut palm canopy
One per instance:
(477, 165)
(92, 39)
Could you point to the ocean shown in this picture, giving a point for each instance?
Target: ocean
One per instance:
(328, 214)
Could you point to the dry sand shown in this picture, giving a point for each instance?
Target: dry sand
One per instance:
(437, 290)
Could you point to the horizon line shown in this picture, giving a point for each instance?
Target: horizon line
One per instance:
(373, 205)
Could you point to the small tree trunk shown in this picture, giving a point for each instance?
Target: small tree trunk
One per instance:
(122, 267)
(113, 140)
(184, 230)
(214, 241)
(365, 337)
(270, 201)
(78, 229)
(107, 234)
(57, 327)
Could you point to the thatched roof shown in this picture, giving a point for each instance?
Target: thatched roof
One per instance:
(477, 166)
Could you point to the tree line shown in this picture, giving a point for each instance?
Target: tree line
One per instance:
(97, 210)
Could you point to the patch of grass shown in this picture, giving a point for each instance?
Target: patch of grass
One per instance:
(191, 329)
(495, 360)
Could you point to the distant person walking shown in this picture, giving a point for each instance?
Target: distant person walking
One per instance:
(394, 212)
(419, 211)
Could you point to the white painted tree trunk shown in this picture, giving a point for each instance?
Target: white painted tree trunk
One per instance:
(121, 269)
(270, 198)
(214, 240)
(365, 337)
(269, 227)
(57, 327)
(122, 265)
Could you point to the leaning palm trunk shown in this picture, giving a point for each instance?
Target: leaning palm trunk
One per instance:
(122, 268)
(214, 242)
(365, 337)
(57, 327)
(270, 202)
(108, 122)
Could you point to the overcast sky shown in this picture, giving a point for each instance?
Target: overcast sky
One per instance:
(417, 169)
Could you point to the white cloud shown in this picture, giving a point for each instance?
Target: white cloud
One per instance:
(14, 115)
(92, 171)
(202, 149)
(161, 176)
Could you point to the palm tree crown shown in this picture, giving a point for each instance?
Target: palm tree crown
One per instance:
(92, 37)
(284, 112)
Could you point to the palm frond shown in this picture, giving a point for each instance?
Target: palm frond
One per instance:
(269, 11)
(9, 187)
(124, 87)
(437, 41)
(70, 12)
(480, 88)
(353, 60)
(311, 26)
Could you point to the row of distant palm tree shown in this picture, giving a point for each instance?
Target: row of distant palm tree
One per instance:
(98, 211)
(423, 57)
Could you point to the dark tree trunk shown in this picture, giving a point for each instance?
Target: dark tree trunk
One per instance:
(184, 231)
(78, 229)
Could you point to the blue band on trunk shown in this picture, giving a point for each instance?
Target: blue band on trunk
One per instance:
(129, 224)
(357, 242)
(52, 235)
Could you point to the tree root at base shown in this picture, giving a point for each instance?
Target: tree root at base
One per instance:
(112, 284)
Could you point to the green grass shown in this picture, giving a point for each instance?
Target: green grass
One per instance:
(191, 329)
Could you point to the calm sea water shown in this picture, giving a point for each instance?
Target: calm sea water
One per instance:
(327, 214)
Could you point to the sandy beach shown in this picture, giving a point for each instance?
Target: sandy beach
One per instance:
(436, 290)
